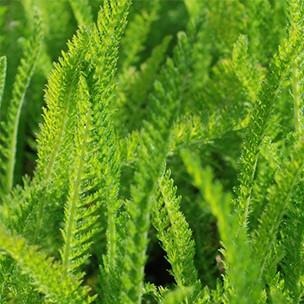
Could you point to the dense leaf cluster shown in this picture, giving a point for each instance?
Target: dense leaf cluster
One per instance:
(159, 159)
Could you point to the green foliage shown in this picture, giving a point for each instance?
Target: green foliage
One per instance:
(156, 135)
(164, 163)
(82, 11)
(10, 122)
(259, 116)
(3, 75)
(137, 32)
(46, 274)
(176, 296)
(175, 235)
(81, 208)
(241, 269)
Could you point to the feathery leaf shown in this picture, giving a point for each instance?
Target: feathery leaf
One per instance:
(9, 127)
(46, 273)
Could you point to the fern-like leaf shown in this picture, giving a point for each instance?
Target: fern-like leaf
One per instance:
(279, 198)
(2, 77)
(134, 87)
(46, 274)
(9, 127)
(53, 139)
(103, 41)
(174, 233)
(249, 75)
(242, 271)
(137, 33)
(155, 137)
(82, 205)
(262, 109)
(297, 76)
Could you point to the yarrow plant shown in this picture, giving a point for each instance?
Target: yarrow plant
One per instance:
(159, 159)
